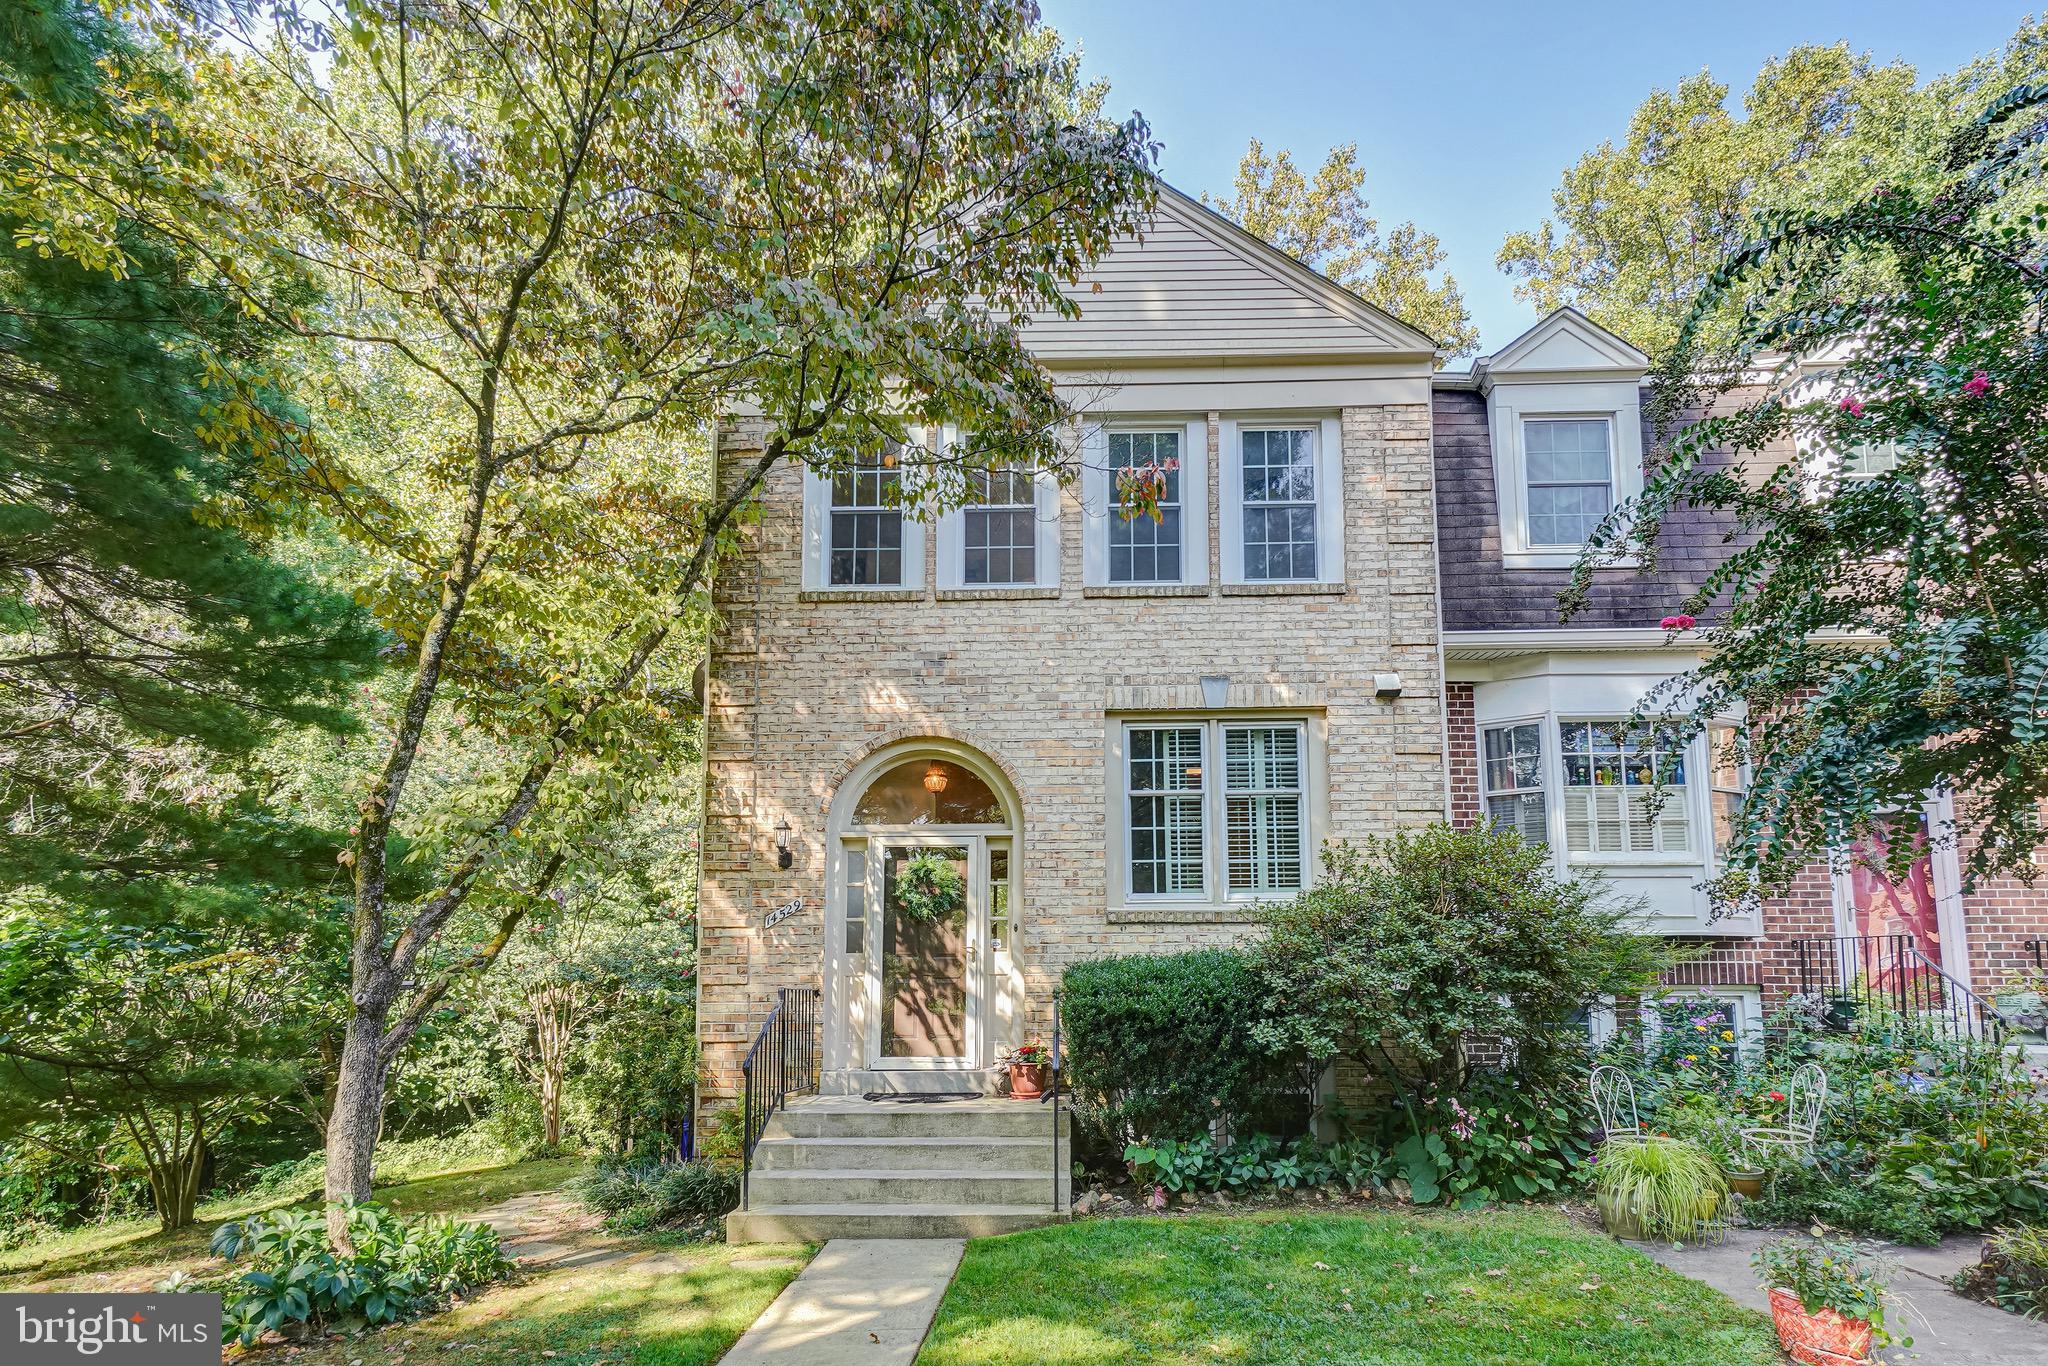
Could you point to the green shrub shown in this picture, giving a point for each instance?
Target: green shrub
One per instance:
(1159, 1047)
(1835, 1276)
(296, 1284)
(638, 1196)
(1259, 1162)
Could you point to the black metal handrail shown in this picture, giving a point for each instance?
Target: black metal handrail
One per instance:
(2039, 948)
(782, 1062)
(1890, 973)
(1052, 1093)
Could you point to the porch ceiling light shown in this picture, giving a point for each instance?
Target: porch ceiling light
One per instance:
(783, 857)
(935, 778)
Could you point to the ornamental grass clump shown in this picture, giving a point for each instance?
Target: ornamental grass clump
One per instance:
(1657, 1187)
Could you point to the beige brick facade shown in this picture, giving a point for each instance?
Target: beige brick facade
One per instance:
(805, 685)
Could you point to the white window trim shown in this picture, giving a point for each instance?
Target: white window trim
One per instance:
(1215, 851)
(818, 535)
(1512, 405)
(1329, 495)
(1099, 499)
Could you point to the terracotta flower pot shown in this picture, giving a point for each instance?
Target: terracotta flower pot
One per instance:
(1027, 1080)
(1823, 1339)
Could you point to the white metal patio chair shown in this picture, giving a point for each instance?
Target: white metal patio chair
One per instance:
(1614, 1101)
(1805, 1094)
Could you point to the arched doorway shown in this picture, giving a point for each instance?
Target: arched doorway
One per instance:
(920, 967)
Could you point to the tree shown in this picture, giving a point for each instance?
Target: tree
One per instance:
(1887, 633)
(547, 242)
(164, 1033)
(1639, 226)
(1327, 224)
(1415, 945)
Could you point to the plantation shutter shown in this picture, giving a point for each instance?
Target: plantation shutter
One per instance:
(1166, 783)
(1262, 784)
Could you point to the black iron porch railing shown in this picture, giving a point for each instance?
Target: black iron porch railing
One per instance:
(1889, 973)
(782, 1062)
(2038, 948)
(1052, 1094)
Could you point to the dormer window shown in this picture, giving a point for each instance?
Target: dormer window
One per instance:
(1570, 477)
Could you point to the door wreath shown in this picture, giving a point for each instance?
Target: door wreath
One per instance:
(929, 889)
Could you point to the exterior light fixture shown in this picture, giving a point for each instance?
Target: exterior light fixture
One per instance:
(783, 857)
(935, 778)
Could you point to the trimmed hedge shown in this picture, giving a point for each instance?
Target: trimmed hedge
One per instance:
(1158, 1046)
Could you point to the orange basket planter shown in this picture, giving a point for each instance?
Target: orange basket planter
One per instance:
(1823, 1339)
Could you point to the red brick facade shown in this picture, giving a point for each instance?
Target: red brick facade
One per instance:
(2000, 918)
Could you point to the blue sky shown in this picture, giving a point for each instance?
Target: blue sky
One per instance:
(1465, 114)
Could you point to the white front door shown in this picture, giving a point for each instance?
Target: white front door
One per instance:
(926, 934)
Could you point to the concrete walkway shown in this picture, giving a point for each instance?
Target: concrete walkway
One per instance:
(865, 1300)
(1947, 1330)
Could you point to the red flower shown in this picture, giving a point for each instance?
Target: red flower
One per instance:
(1777, 1095)
(1977, 384)
(1853, 406)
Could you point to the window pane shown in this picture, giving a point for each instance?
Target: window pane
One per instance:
(1262, 777)
(998, 896)
(1279, 466)
(1567, 452)
(905, 795)
(1867, 461)
(1000, 528)
(866, 546)
(1144, 551)
(1512, 770)
(1566, 514)
(1165, 779)
(856, 898)
(1625, 791)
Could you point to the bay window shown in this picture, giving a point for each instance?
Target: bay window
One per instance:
(1624, 791)
(1512, 771)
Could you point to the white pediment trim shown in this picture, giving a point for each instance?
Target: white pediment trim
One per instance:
(1565, 345)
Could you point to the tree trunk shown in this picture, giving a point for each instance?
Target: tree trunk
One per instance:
(357, 1117)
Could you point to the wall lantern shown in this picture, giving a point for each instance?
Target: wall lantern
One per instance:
(783, 858)
(935, 778)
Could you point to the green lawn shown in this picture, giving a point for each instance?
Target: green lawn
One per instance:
(1518, 1286)
(679, 1306)
(134, 1252)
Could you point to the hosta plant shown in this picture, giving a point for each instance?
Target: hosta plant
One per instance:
(297, 1285)
(1657, 1187)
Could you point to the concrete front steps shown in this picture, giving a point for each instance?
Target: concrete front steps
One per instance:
(842, 1167)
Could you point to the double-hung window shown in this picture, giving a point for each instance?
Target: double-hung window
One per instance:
(1570, 477)
(865, 535)
(1727, 782)
(1512, 770)
(1176, 800)
(1264, 781)
(1868, 460)
(1280, 490)
(1166, 780)
(999, 528)
(1142, 548)
(1624, 791)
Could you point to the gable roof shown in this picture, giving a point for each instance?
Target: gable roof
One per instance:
(1566, 345)
(1195, 286)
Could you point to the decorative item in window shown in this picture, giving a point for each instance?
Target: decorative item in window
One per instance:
(930, 889)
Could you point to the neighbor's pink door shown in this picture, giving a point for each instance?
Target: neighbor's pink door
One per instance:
(1880, 907)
